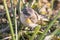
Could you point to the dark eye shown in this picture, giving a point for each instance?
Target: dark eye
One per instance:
(26, 12)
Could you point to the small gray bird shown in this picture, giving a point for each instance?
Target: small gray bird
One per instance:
(29, 17)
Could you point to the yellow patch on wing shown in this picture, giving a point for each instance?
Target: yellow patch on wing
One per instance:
(48, 4)
(28, 20)
(43, 12)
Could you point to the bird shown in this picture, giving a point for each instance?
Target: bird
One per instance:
(29, 17)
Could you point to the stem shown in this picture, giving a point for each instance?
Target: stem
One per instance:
(35, 32)
(8, 16)
(15, 24)
(52, 2)
(19, 9)
(55, 32)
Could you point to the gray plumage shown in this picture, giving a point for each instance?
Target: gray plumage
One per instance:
(28, 12)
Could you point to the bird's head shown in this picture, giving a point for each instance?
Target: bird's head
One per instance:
(27, 11)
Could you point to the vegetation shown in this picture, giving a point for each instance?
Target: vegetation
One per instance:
(12, 10)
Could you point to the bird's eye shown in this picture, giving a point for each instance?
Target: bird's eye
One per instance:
(26, 13)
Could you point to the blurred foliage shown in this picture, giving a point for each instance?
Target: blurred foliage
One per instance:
(45, 8)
